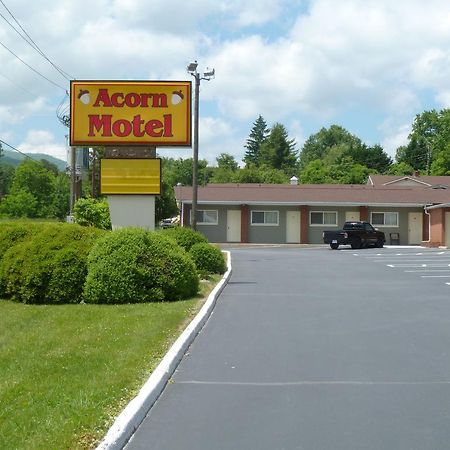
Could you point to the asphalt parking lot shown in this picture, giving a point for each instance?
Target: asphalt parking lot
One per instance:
(419, 262)
(312, 348)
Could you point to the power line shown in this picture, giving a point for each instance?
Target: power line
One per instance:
(18, 85)
(18, 151)
(33, 69)
(31, 42)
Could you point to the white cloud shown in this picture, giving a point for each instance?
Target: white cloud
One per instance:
(216, 136)
(42, 141)
(380, 58)
(395, 138)
(15, 114)
(255, 13)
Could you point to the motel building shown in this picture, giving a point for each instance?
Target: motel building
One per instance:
(411, 210)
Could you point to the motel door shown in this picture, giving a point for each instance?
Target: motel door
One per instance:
(414, 228)
(234, 225)
(293, 227)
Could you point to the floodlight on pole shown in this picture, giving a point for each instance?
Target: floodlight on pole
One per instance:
(208, 75)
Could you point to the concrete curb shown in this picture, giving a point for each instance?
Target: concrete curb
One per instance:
(134, 413)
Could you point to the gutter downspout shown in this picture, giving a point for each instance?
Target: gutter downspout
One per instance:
(425, 210)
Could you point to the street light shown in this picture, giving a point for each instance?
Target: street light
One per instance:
(208, 75)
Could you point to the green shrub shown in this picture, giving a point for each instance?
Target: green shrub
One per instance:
(51, 267)
(185, 237)
(92, 213)
(208, 258)
(12, 233)
(133, 265)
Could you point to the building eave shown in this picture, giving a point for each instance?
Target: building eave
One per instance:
(334, 204)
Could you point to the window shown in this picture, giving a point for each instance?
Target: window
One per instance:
(265, 218)
(385, 219)
(207, 217)
(320, 218)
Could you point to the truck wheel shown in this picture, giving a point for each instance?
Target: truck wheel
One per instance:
(334, 246)
(356, 242)
(379, 243)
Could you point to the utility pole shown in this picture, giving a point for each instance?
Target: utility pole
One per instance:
(208, 75)
(93, 173)
(73, 177)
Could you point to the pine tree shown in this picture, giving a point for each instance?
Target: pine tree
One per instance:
(257, 137)
(278, 151)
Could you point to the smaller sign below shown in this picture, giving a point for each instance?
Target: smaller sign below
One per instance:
(131, 176)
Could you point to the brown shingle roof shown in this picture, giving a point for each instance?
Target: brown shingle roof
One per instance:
(422, 181)
(308, 194)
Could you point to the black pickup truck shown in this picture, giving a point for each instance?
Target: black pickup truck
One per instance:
(356, 234)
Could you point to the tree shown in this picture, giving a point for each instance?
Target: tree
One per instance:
(165, 204)
(414, 155)
(278, 151)
(400, 168)
(318, 145)
(316, 172)
(61, 197)
(258, 135)
(91, 212)
(225, 170)
(180, 171)
(32, 192)
(49, 166)
(342, 171)
(6, 176)
(427, 141)
(262, 174)
(441, 162)
(227, 162)
(372, 157)
(6, 173)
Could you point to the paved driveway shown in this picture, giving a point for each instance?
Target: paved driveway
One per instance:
(315, 349)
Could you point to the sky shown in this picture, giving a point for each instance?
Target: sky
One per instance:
(369, 66)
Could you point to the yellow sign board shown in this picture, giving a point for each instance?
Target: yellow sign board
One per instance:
(131, 176)
(130, 113)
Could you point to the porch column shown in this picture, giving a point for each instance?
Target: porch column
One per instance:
(437, 228)
(186, 214)
(304, 224)
(364, 213)
(425, 227)
(245, 220)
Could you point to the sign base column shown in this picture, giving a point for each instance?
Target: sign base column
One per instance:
(132, 211)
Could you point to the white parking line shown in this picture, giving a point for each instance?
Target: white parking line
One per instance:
(435, 276)
(427, 270)
(417, 265)
(437, 258)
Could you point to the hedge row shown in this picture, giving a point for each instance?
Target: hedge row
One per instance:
(63, 263)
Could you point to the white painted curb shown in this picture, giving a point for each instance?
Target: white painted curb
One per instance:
(134, 413)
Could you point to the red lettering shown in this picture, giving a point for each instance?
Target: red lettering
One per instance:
(122, 128)
(151, 126)
(103, 97)
(159, 100)
(102, 124)
(137, 130)
(133, 100)
(144, 100)
(168, 125)
(115, 99)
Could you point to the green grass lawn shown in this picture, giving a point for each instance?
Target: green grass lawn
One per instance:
(67, 371)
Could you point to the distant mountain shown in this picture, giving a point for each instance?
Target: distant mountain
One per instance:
(14, 159)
